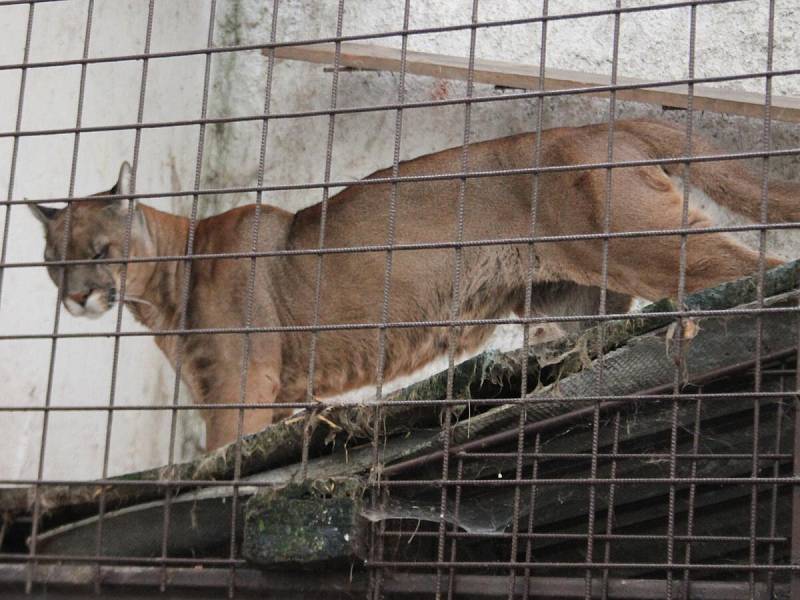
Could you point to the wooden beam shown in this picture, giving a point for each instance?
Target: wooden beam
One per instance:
(515, 75)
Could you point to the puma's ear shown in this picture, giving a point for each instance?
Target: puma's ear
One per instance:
(43, 214)
(123, 185)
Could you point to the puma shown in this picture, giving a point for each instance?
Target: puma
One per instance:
(567, 274)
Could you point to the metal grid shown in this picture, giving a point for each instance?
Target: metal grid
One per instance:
(446, 563)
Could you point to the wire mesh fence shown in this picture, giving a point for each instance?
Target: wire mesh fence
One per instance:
(614, 453)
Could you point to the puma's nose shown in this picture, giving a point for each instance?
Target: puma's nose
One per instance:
(78, 297)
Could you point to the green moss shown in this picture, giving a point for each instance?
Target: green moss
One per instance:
(305, 522)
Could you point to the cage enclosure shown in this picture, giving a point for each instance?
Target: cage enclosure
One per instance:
(349, 299)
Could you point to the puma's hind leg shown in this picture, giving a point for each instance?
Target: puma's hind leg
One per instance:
(654, 265)
(649, 266)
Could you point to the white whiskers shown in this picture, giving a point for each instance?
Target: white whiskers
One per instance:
(139, 301)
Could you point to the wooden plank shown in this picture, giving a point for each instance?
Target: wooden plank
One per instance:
(515, 75)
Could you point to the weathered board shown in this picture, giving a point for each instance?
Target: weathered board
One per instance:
(521, 76)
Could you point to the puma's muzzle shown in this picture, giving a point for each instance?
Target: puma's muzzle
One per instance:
(90, 304)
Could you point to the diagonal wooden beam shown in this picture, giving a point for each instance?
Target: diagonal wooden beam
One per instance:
(526, 77)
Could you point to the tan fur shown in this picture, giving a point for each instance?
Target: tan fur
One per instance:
(566, 275)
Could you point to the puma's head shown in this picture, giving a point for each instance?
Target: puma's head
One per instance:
(96, 232)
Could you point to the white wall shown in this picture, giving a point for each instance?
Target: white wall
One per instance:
(82, 374)
(730, 39)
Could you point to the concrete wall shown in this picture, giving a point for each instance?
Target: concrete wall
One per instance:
(82, 373)
(730, 39)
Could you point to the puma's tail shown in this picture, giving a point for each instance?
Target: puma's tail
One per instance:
(730, 183)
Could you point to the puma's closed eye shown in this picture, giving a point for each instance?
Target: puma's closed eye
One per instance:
(103, 253)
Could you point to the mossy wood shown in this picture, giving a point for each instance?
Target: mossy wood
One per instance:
(305, 523)
(283, 531)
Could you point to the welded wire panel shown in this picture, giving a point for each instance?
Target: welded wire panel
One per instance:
(373, 329)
